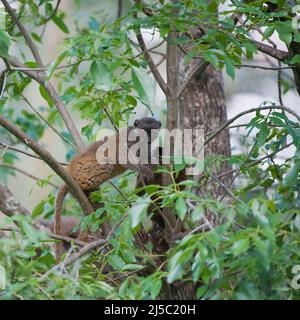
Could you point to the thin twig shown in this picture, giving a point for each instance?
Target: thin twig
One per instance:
(279, 66)
(70, 124)
(216, 179)
(10, 166)
(199, 228)
(53, 236)
(161, 82)
(19, 16)
(40, 78)
(26, 153)
(279, 76)
(149, 49)
(53, 12)
(158, 64)
(263, 67)
(48, 123)
(24, 32)
(67, 239)
(207, 222)
(243, 163)
(2, 83)
(229, 122)
(83, 251)
(251, 164)
(4, 152)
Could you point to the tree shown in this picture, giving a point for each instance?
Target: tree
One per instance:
(177, 238)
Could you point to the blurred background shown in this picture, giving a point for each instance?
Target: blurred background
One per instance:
(250, 88)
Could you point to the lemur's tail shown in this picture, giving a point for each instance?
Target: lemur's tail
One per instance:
(62, 192)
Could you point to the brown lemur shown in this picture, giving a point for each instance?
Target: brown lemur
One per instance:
(90, 174)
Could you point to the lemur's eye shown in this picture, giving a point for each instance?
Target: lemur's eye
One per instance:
(136, 123)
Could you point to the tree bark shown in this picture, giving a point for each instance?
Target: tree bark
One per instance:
(9, 205)
(202, 105)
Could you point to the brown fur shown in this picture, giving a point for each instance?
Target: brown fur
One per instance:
(89, 174)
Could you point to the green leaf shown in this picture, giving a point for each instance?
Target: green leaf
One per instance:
(181, 208)
(155, 288)
(292, 175)
(268, 32)
(285, 32)
(229, 67)
(213, 6)
(60, 23)
(45, 95)
(132, 266)
(175, 273)
(137, 212)
(212, 58)
(277, 121)
(38, 210)
(263, 134)
(4, 44)
(246, 291)
(201, 290)
(116, 262)
(101, 75)
(295, 133)
(131, 100)
(240, 246)
(55, 64)
(295, 59)
(197, 213)
(139, 87)
(36, 37)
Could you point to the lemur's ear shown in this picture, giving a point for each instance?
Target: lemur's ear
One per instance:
(159, 123)
(136, 123)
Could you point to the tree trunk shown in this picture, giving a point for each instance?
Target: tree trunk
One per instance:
(202, 105)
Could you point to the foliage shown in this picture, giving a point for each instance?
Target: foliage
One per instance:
(249, 255)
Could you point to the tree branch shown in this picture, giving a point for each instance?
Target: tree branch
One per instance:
(4, 145)
(65, 115)
(251, 66)
(39, 76)
(119, 9)
(54, 236)
(250, 164)
(36, 75)
(161, 82)
(47, 122)
(163, 85)
(9, 205)
(53, 12)
(47, 157)
(24, 32)
(67, 239)
(200, 68)
(229, 122)
(273, 52)
(147, 11)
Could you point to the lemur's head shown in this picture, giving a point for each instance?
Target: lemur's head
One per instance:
(147, 124)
